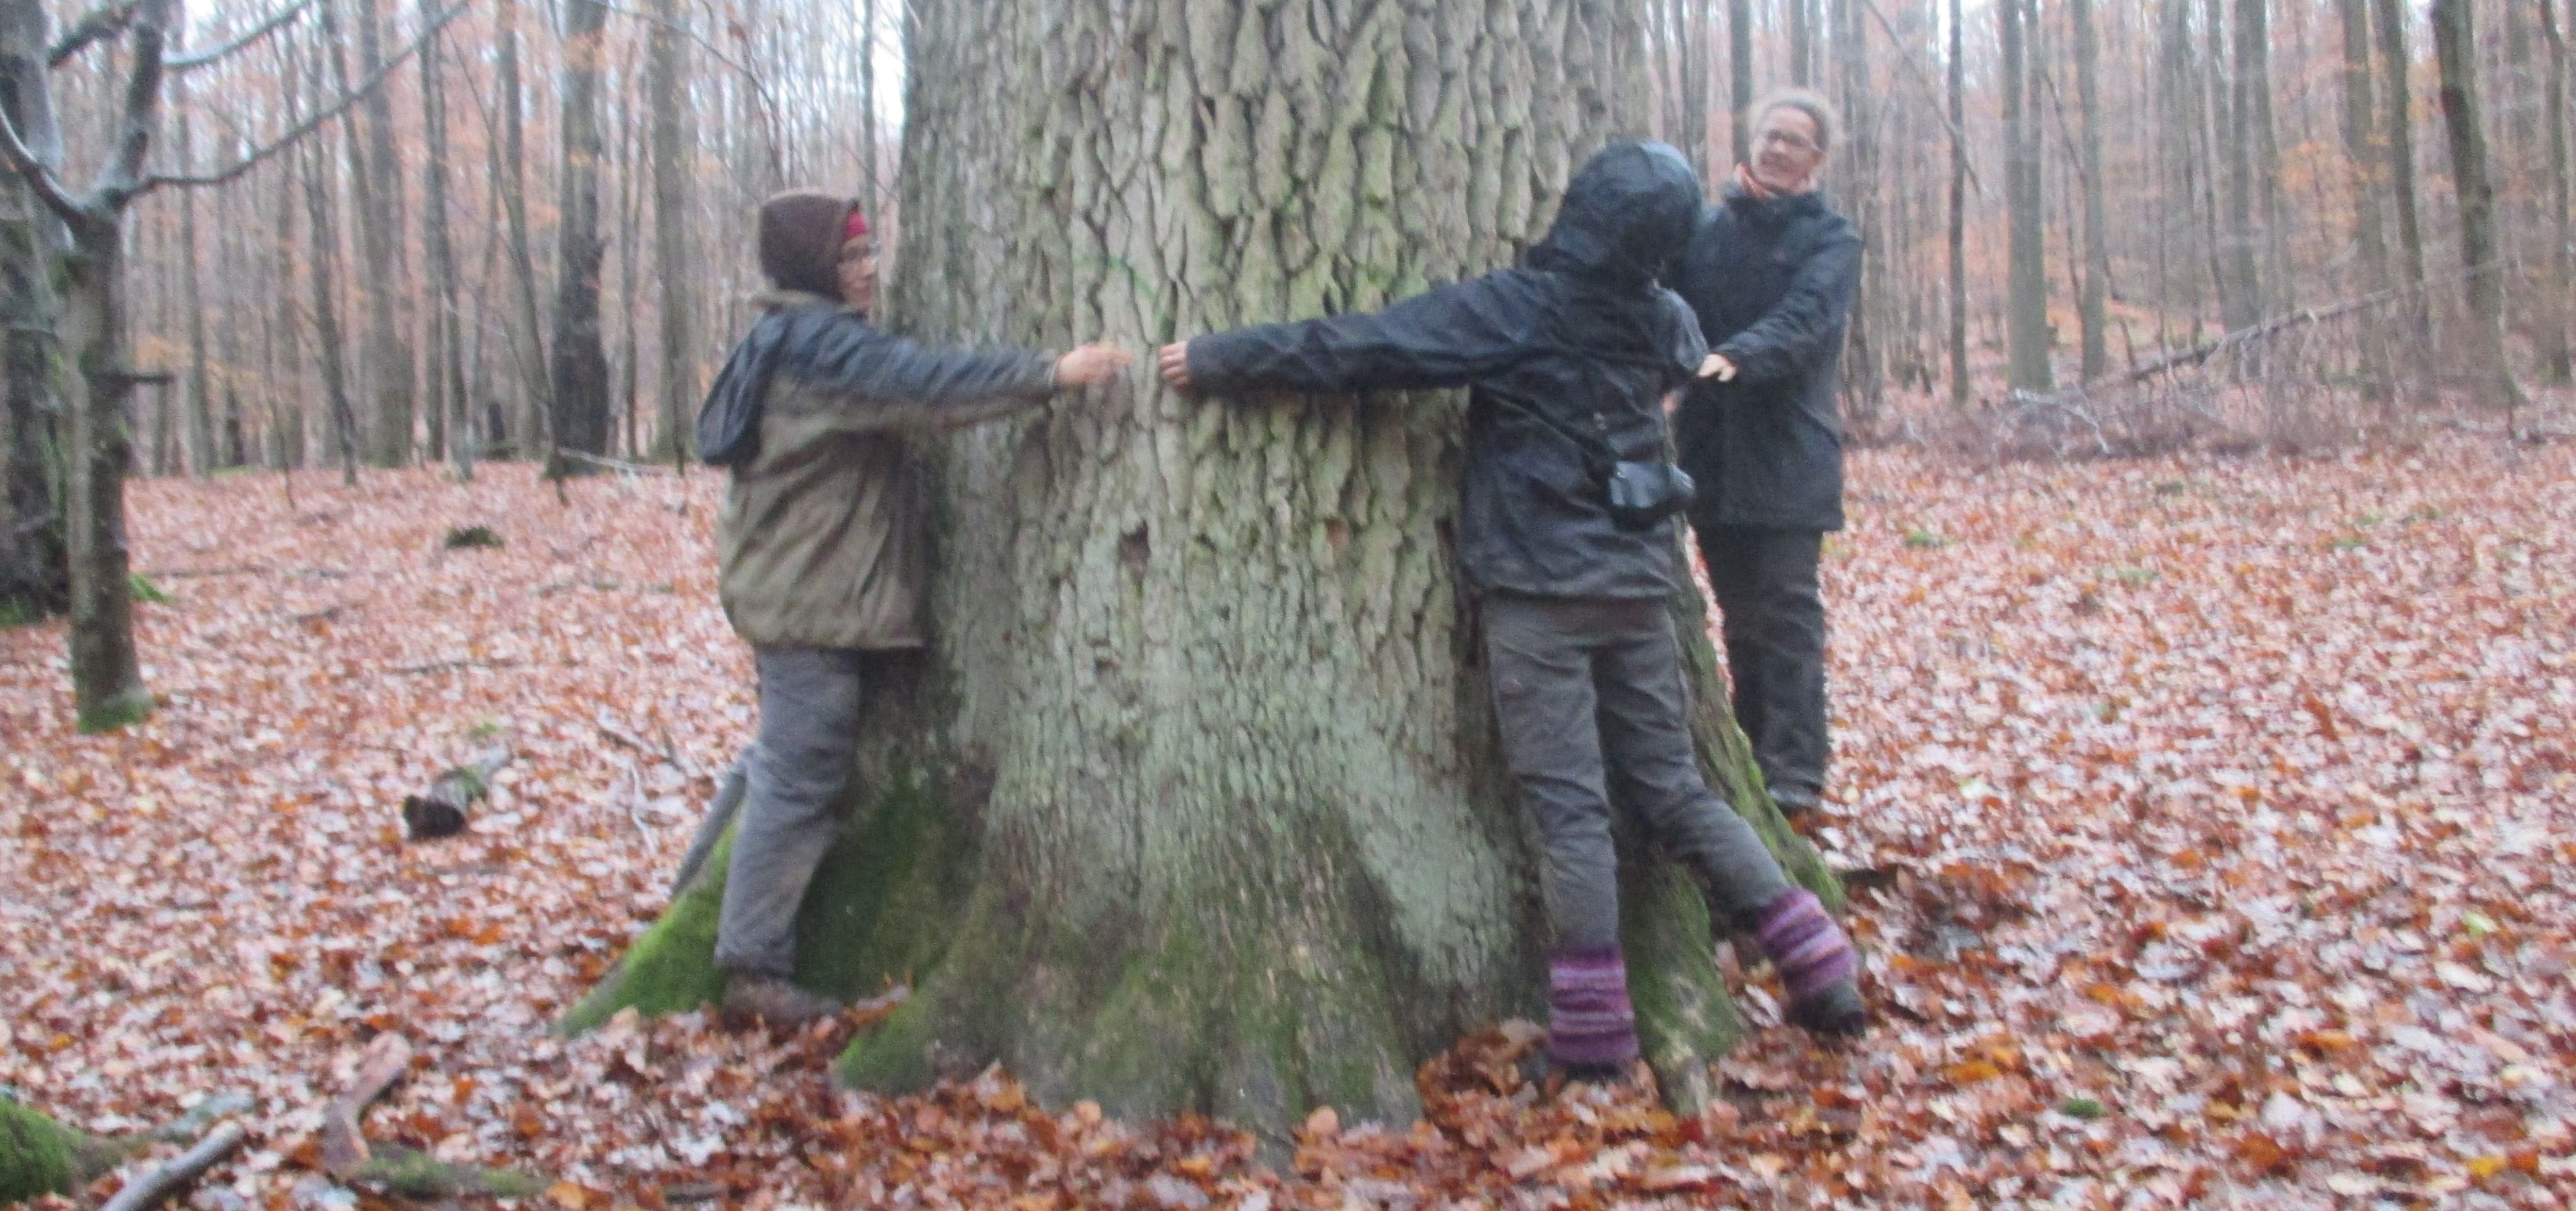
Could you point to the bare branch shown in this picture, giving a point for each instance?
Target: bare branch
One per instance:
(759, 89)
(359, 93)
(118, 177)
(105, 21)
(257, 32)
(40, 180)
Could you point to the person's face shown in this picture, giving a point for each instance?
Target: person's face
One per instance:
(1785, 155)
(858, 272)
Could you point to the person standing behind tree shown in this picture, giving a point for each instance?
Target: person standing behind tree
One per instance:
(1566, 537)
(1771, 271)
(823, 545)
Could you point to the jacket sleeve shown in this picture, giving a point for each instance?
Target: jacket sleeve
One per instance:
(1800, 331)
(895, 383)
(1447, 337)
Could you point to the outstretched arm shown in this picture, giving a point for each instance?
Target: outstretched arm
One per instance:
(1443, 338)
(896, 383)
(1799, 332)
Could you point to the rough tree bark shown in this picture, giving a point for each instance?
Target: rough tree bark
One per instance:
(2027, 334)
(1195, 804)
(2455, 48)
(580, 365)
(35, 572)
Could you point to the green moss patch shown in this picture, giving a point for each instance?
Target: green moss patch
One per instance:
(878, 910)
(39, 1155)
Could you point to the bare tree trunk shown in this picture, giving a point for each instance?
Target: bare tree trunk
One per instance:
(202, 457)
(2097, 248)
(2455, 48)
(1739, 76)
(1861, 369)
(1959, 385)
(2362, 146)
(1117, 875)
(669, 75)
(2026, 304)
(283, 358)
(1802, 42)
(529, 341)
(378, 174)
(2389, 17)
(580, 365)
(324, 268)
(2556, 364)
(446, 369)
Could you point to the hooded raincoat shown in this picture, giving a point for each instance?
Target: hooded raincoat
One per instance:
(1567, 358)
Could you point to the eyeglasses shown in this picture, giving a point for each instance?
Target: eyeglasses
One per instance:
(1782, 138)
(855, 249)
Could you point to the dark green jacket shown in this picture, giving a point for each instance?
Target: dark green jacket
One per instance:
(822, 540)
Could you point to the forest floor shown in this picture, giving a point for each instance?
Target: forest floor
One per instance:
(2208, 820)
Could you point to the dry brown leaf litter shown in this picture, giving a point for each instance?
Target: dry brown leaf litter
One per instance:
(2212, 817)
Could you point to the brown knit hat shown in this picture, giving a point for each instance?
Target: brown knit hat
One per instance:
(800, 239)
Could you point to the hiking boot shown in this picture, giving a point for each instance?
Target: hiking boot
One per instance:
(1816, 964)
(776, 1001)
(1834, 1011)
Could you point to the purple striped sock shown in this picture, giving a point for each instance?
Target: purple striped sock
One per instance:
(1589, 1020)
(1805, 944)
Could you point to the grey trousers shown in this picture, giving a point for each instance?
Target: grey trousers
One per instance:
(1592, 704)
(1773, 617)
(809, 711)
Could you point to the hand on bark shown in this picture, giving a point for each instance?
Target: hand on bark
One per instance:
(1174, 359)
(1717, 367)
(1097, 362)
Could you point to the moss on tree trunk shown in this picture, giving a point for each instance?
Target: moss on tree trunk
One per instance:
(1196, 803)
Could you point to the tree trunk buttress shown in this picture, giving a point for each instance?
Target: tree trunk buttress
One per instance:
(1200, 806)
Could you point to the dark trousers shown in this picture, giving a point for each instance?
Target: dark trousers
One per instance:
(1773, 618)
(1590, 696)
(809, 712)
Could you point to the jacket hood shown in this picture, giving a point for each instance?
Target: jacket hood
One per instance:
(1629, 209)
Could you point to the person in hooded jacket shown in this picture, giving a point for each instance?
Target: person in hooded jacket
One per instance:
(1567, 359)
(822, 546)
(1771, 270)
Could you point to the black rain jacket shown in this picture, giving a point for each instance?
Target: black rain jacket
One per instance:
(1566, 359)
(1772, 282)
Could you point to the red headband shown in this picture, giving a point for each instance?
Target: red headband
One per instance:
(855, 226)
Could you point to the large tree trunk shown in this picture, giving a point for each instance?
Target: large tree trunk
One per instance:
(35, 575)
(1859, 175)
(580, 365)
(2455, 48)
(2026, 305)
(107, 675)
(1195, 803)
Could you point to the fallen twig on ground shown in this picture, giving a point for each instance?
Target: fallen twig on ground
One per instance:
(183, 1169)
